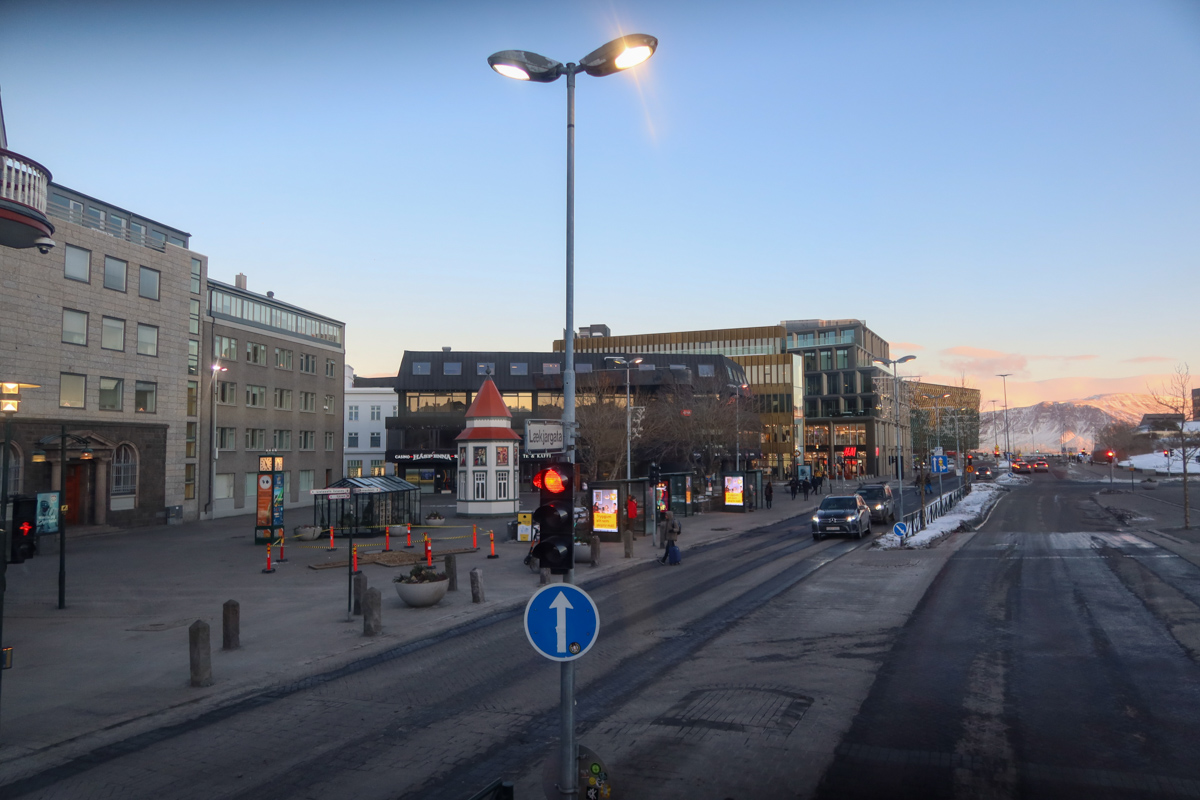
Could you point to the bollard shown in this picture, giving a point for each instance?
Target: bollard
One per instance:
(231, 625)
(360, 586)
(428, 551)
(282, 536)
(627, 540)
(452, 573)
(543, 576)
(492, 539)
(332, 546)
(372, 611)
(475, 535)
(269, 567)
(477, 585)
(354, 557)
(387, 539)
(408, 544)
(199, 653)
(594, 544)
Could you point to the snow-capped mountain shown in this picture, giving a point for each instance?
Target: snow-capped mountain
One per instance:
(1048, 427)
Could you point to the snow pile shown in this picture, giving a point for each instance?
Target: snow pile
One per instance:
(1162, 465)
(981, 499)
(1009, 479)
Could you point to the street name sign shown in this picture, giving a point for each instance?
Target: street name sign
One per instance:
(339, 493)
(900, 529)
(543, 436)
(561, 621)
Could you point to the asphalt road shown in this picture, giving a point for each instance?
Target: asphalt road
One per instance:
(1055, 656)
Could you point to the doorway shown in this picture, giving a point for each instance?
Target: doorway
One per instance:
(75, 495)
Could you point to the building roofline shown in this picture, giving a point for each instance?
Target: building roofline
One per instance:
(54, 184)
(273, 300)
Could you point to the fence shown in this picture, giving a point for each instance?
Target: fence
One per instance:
(934, 509)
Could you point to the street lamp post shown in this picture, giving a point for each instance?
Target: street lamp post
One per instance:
(937, 417)
(615, 56)
(737, 419)
(896, 398)
(217, 369)
(1007, 443)
(619, 361)
(995, 428)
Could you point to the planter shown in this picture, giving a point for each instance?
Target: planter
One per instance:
(1149, 483)
(306, 533)
(433, 523)
(421, 595)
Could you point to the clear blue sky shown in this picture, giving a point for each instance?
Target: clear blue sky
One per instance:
(994, 186)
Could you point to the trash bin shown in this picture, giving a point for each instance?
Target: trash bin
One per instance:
(512, 530)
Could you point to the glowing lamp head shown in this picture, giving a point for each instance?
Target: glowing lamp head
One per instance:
(550, 480)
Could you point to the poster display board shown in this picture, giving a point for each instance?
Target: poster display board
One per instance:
(604, 510)
(268, 518)
(49, 508)
(734, 487)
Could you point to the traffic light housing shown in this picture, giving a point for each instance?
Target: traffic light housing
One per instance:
(24, 528)
(556, 518)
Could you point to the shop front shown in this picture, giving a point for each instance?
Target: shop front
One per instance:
(433, 471)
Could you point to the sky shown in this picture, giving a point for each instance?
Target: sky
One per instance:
(994, 187)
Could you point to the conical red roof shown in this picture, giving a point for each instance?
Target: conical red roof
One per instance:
(488, 402)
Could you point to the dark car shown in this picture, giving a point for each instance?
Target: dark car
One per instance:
(983, 473)
(844, 514)
(878, 497)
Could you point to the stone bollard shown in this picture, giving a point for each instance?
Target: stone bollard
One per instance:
(200, 653)
(360, 586)
(372, 612)
(627, 540)
(452, 573)
(594, 545)
(543, 576)
(231, 625)
(477, 585)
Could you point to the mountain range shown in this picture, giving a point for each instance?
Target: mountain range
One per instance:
(1073, 424)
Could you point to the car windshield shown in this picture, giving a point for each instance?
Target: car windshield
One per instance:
(838, 504)
(872, 494)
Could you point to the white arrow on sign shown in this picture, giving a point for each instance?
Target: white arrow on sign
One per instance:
(561, 604)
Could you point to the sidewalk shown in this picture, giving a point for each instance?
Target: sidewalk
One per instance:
(114, 662)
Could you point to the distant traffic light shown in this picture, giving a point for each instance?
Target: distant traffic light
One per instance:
(556, 518)
(24, 525)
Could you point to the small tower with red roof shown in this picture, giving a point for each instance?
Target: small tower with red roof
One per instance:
(488, 458)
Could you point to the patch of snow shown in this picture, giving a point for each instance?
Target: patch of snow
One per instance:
(982, 497)
(1008, 479)
(1162, 465)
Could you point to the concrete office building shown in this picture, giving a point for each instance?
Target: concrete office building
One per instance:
(274, 384)
(369, 402)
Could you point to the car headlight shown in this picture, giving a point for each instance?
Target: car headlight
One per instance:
(816, 518)
(879, 506)
(849, 518)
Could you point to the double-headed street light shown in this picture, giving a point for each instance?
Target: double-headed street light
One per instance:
(938, 426)
(625, 362)
(892, 362)
(737, 423)
(619, 54)
(1007, 444)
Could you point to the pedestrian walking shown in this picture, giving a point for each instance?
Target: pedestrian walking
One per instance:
(768, 493)
(750, 496)
(794, 485)
(669, 529)
(818, 479)
(630, 511)
(805, 487)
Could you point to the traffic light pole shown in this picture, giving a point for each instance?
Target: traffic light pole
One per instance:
(4, 526)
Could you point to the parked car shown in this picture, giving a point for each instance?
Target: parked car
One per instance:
(842, 514)
(878, 497)
(1041, 465)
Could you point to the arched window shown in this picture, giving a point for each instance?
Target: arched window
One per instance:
(124, 471)
(14, 469)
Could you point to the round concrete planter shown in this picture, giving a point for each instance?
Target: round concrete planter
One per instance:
(420, 595)
(306, 533)
(433, 523)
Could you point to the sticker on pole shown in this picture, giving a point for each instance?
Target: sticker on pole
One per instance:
(561, 622)
(900, 529)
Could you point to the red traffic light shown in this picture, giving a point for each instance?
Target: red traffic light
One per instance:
(551, 480)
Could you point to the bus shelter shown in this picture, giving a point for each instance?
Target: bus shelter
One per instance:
(368, 506)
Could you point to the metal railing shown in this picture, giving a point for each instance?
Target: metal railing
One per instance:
(121, 229)
(934, 509)
(23, 180)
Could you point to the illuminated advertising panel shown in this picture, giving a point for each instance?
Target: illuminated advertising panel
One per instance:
(604, 510)
(733, 490)
(266, 495)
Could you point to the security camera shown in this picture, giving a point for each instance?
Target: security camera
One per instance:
(44, 245)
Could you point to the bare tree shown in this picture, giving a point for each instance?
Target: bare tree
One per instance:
(600, 417)
(1175, 397)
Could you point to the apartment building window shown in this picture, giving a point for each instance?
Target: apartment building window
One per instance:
(502, 485)
(841, 358)
(330, 368)
(354, 469)
(256, 353)
(376, 413)
(376, 440)
(394, 411)
(306, 481)
(148, 284)
(282, 439)
(112, 394)
(112, 334)
(124, 470)
(452, 368)
(421, 368)
(551, 369)
(114, 273)
(189, 440)
(826, 359)
(283, 358)
(196, 265)
(193, 357)
(329, 441)
(74, 327)
(189, 481)
(330, 400)
(193, 397)
(145, 397)
(352, 440)
(226, 438)
(485, 368)
(72, 389)
(518, 368)
(377, 468)
(308, 401)
(352, 413)
(194, 317)
(225, 347)
(256, 396)
(137, 232)
(78, 264)
(707, 371)
(227, 393)
(308, 363)
(147, 340)
(223, 486)
(283, 399)
(256, 438)
(481, 484)
(308, 440)
(94, 218)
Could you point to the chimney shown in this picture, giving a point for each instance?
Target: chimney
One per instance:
(239, 281)
(445, 349)
(271, 295)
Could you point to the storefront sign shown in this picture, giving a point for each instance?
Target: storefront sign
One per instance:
(543, 436)
(849, 452)
(604, 510)
(422, 457)
(733, 490)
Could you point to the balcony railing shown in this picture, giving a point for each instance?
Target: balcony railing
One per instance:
(113, 226)
(23, 181)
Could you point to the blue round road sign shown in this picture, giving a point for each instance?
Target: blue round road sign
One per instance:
(900, 529)
(561, 621)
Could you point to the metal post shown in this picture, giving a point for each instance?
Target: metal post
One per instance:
(62, 519)
(1007, 441)
(737, 423)
(937, 416)
(899, 456)
(4, 524)
(628, 435)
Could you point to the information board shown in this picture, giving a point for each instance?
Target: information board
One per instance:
(604, 510)
(734, 486)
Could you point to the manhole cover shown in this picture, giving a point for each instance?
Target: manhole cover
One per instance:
(774, 711)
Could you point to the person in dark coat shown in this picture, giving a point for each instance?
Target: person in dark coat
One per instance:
(768, 493)
(805, 487)
(794, 485)
(669, 529)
